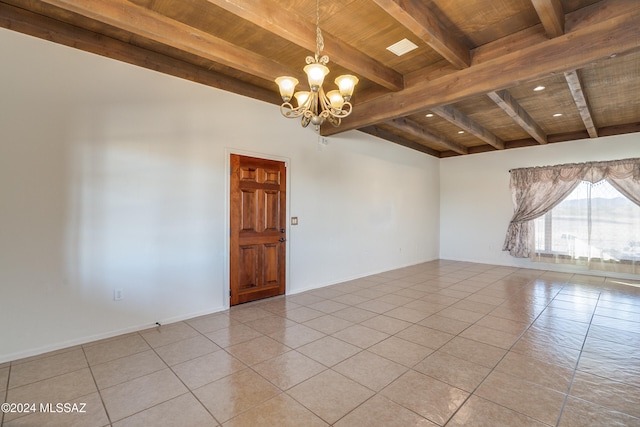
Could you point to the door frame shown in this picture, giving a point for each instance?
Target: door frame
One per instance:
(227, 216)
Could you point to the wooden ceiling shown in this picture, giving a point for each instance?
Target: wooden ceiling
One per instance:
(467, 88)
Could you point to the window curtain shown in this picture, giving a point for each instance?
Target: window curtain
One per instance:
(535, 191)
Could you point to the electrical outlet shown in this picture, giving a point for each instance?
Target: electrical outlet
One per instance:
(118, 294)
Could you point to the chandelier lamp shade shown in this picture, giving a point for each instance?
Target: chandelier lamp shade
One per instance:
(315, 106)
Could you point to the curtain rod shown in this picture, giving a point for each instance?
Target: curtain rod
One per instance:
(598, 163)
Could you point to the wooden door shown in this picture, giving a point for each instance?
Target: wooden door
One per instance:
(258, 228)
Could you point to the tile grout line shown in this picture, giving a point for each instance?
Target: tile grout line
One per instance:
(575, 369)
(189, 391)
(97, 388)
(494, 367)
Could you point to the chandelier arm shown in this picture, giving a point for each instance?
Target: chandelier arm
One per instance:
(317, 107)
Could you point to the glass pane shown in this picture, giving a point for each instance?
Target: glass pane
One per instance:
(615, 224)
(594, 222)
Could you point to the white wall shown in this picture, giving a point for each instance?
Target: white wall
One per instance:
(475, 200)
(112, 176)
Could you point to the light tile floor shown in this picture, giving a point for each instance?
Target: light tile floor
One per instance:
(441, 343)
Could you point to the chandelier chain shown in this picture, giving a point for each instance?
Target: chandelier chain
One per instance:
(319, 38)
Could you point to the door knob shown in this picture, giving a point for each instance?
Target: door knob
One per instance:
(282, 239)
(282, 230)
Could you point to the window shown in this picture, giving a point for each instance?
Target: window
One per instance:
(594, 225)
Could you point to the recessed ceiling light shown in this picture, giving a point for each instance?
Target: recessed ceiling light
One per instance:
(429, 115)
(538, 88)
(557, 115)
(460, 132)
(402, 47)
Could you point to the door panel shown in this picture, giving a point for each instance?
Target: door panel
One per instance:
(258, 225)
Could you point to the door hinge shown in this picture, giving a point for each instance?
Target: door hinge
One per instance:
(230, 170)
(229, 292)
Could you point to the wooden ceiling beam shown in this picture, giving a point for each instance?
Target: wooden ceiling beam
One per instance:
(594, 41)
(291, 26)
(424, 24)
(154, 26)
(551, 15)
(26, 22)
(504, 100)
(414, 129)
(458, 118)
(575, 86)
(392, 137)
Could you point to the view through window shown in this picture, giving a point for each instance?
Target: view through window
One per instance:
(594, 224)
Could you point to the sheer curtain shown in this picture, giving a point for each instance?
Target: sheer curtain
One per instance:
(536, 191)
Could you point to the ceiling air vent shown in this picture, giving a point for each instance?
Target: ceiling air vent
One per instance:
(402, 47)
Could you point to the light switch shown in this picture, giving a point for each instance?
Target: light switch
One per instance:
(294, 220)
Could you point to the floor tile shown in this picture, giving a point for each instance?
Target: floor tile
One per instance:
(289, 369)
(562, 337)
(399, 348)
(302, 314)
(328, 306)
(62, 388)
(234, 334)
(208, 368)
(182, 411)
(382, 412)
(536, 371)
(328, 324)
(278, 305)
(46, 355)
(386, 324)
(270, 324)
(615, 335)
(360, 336)
(615, 366)
(401, 351)
(258, 350)
(376, 306)
(188, 349)
(611, 394)
(370, 370)
(461, 314)
(445, 324)
(126, 368)
(234, 394)
(547, 351)
(454, 371)
(141, 393)
(504, 325)
(330, 395)
(329, 350)
(479, 412)
(296, 336)
(580, 413)
(425, 396)
(426, 337)
(305, 299)
(87, 412)
(354, 314)
(4, 378)
(248, 312)
(48, 367)
(535, 401)
(115, 348)
(490, 336)
(281, 411)
(168, 334)
(407, 314)
(211, 323)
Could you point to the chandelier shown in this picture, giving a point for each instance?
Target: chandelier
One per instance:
(316, 106)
